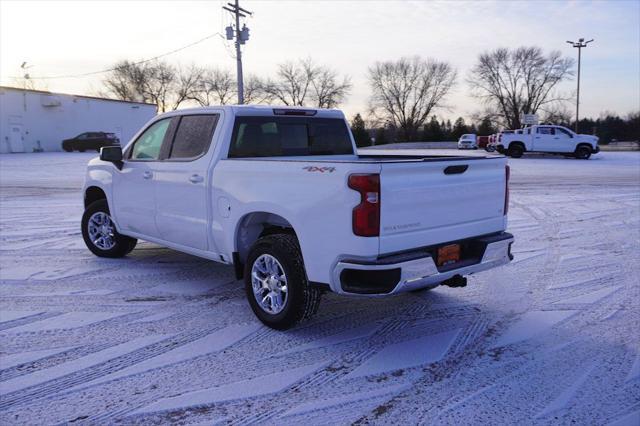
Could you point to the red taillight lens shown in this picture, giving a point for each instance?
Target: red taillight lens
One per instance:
(366, 215)
(507, 175)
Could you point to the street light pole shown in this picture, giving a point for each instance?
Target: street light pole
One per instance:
(579, 44)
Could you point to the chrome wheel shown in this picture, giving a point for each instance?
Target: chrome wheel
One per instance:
(269, 284)
(101, 231)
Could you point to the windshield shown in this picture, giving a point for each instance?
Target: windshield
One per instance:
(289, 136)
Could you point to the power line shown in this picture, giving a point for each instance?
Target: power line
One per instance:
(134, 63)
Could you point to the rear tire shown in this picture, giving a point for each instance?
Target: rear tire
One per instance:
(515, 151)
(583, 153)
(100, 235)
(278, 291)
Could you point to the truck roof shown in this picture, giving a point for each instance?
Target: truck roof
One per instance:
(262, 110)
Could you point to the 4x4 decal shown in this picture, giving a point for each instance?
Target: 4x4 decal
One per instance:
(319, 169)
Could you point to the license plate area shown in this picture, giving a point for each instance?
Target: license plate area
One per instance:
(448, 254)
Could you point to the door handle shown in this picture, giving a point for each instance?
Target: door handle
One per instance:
(147, 175)
(196, 179)
(454, 170)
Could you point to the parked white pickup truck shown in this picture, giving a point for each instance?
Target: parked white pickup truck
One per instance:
(282, 194)
(549, 139)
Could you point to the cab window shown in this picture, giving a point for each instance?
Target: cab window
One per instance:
(563, 132)
(545, 131)
(193, 136)
(148, 145)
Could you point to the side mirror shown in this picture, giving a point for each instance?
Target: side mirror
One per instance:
(112, 154)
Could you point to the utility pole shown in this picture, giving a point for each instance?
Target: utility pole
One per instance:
(579, 44)
(241, 36)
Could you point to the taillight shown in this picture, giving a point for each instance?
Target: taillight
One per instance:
(366, 215)
(507, 175)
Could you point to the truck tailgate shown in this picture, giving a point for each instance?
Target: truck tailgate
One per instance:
(432, 202)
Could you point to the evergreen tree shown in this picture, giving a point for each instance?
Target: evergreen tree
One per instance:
(486, 127)
(381, 136)
(459, 128)
(433, 131)
(446, 130)
(359, 131)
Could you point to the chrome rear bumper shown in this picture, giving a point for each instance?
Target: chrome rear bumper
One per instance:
(416, 273)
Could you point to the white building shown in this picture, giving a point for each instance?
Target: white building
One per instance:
(34, 120)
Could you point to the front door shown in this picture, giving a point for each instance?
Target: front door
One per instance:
(16, 144)
(564, 140)
(134, 186)
(183, 186)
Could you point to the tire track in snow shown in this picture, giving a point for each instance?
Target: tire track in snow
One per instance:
(25, 394)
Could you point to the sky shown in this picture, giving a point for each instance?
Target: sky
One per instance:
(73, 37)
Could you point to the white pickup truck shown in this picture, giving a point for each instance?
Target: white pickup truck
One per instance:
(283, 196)
(549, 139)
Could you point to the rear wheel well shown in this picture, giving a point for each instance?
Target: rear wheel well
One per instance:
(254, 226)
(93, 194)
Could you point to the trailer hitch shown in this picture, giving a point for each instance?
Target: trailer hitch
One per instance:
(455, 281)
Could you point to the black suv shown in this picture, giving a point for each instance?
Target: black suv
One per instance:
(90, 141)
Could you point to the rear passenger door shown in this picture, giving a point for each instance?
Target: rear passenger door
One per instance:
(543, 139)
(183, 186)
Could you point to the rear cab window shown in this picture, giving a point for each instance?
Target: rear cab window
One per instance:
(289, 136)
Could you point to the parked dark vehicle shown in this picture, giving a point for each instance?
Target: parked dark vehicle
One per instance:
(90, 141)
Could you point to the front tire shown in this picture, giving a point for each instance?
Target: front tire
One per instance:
(276, 282)
(583, 153)
(100, 234)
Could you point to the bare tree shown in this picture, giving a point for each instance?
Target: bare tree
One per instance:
(519, 81)
(160, 84)
(188, 84)
(328, 91)
(306, 83)
(404, 92)
(126, 82)
(255, 91)
(218, 87)
(152, 82)
(557, 113)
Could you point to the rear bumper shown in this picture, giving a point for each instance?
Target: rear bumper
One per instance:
(417, 269)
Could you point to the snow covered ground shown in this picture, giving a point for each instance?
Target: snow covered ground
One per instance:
(161, 336)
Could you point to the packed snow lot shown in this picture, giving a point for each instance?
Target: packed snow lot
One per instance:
(162, 336)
